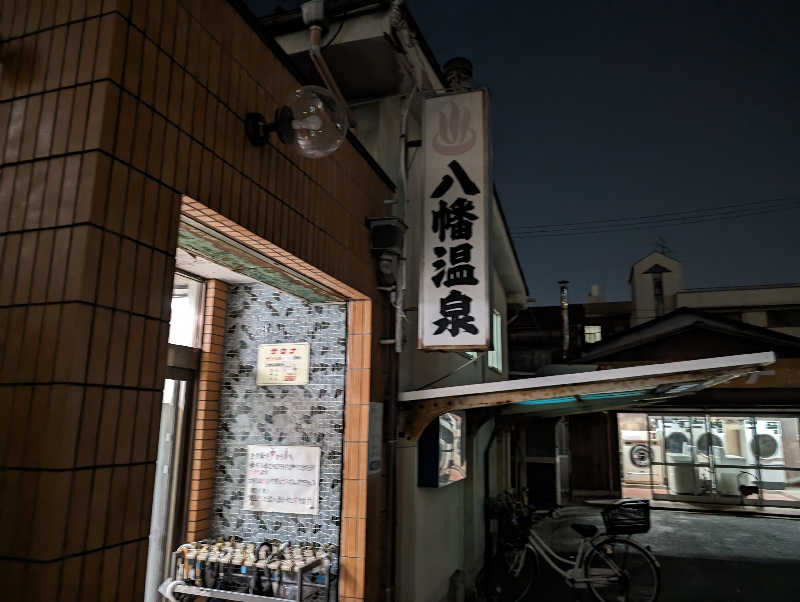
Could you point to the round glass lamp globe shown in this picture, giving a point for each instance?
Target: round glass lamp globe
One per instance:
(319, 121)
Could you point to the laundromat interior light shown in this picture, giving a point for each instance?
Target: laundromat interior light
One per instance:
(313, 121)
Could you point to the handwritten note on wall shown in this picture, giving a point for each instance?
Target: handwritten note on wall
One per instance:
(282, 479)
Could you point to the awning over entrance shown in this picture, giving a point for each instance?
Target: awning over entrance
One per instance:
(578, 392)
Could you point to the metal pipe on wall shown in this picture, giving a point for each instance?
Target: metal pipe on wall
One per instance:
(325, 73)
(390, 526)
(564, 319)
(398, 301)
(487, 529)
(396, 20)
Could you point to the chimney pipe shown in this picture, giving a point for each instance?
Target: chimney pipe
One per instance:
(564, 319)
(458, 74)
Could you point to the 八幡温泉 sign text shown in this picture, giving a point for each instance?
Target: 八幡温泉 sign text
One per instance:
(454, 304)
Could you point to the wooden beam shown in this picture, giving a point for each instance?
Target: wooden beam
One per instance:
(416, 415)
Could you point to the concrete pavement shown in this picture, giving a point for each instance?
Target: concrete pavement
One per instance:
(704, 557)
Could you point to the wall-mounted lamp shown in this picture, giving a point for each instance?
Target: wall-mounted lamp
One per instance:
(312, 120)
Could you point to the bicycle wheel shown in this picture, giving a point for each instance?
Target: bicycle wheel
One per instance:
(621, 570)
(515, 571)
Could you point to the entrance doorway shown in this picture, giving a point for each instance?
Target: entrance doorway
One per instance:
(172, 481)
(547, 468)
(255, 296)
(168, 518)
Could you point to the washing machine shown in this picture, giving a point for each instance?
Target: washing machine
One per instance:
(713, 435)
(636, 457)
(764, 444)
(677, 434)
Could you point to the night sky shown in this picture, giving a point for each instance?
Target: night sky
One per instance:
(613, 113)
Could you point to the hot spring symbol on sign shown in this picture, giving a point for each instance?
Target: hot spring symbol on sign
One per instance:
(455, 136)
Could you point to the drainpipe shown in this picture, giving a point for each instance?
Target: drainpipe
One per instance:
(390, 525)
(390, 534)
(398, 300)
(487, 522)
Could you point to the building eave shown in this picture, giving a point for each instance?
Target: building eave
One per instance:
(506, 255)
(292, 21)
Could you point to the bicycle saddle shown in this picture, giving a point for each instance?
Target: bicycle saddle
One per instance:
(584, 530)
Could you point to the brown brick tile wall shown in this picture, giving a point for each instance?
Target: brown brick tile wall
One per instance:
(201, 495)
(109, 111)
(87, 246)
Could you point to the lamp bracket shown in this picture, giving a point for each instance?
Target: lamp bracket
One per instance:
(258, 130)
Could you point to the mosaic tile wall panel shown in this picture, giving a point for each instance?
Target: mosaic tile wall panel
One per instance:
(310, 414)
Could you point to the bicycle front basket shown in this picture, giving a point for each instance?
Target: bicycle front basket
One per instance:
(627, 517)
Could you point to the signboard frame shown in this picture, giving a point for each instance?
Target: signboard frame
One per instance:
(430, 297)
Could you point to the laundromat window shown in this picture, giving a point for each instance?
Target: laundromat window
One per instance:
(728, 459)
(187, 311)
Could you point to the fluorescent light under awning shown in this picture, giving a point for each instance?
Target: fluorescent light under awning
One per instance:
(535, 402)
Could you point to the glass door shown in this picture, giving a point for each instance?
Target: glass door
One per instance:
(734, 465)
(679, 455)
(173, 463)
(751, 460)
(706, 445)
(170, 499)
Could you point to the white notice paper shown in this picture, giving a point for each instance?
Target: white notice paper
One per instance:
(282, 479)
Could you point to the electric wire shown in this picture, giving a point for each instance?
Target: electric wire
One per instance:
(786, 199)
(675, 218)
(336, 35)
(646, 226)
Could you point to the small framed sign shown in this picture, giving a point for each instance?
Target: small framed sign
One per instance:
(283, 364)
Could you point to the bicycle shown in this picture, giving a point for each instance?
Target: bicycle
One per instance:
(610, 564)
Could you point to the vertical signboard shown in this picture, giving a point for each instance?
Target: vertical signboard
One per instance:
(282, 479)
(454, 303)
